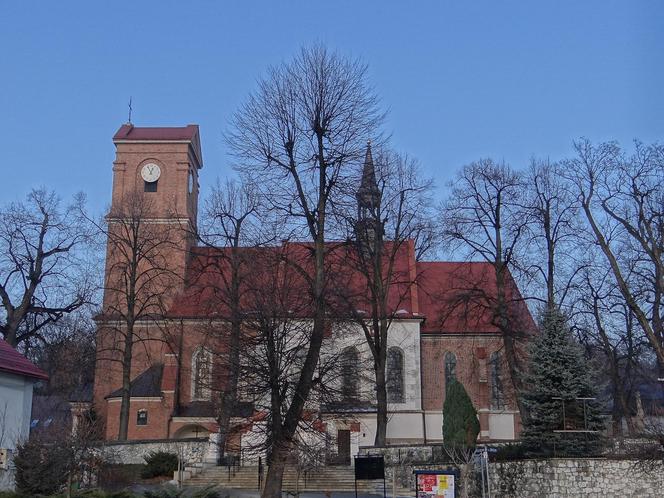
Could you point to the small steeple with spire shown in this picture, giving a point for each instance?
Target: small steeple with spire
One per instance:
(369, 225)
(368, 195)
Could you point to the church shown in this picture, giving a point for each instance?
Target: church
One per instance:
(172, 374)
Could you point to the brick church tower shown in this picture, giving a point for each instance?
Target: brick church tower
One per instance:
(155, 176)
(151, 226)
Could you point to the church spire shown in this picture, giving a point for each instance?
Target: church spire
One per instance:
(368, 227)
(368, 195)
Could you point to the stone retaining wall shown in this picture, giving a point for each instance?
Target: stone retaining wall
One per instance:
(133, 452)
(555, 477)
(567, 477)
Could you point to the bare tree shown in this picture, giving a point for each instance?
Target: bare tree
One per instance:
(297, 137)
(42, 264)
(608, 330)
(140, 282)
(393, 218)
(230, 225)
(277, 331)
(67, 355)
(551, 233)
(483, 218)
(622, 198)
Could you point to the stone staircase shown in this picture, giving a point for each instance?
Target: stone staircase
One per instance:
(323, 479)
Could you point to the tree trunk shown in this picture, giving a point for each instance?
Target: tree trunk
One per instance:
(275, 475)
(381, 398)
(126, 383)
(10, 330)
(229, 395)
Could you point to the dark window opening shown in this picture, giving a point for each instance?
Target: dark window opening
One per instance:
(350, 376)
(142, 417)
(150, 186)
(450, 368)
(497, 394)
(395, 375)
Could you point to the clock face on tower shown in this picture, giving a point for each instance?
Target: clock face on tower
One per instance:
(150, 172)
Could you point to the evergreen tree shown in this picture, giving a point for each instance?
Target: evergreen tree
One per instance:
(557, 377)
(460, 423)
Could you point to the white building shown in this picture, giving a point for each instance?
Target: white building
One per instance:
(17, 377)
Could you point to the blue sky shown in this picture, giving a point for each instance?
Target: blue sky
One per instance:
(461, 80)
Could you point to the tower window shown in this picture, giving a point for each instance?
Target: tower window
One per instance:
(142, 417)
(150, 186)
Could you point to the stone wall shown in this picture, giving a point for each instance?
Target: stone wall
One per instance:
(556, 477)
(401, 460)
(587, 477)
(133, 452)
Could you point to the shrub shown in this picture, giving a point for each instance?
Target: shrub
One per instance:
(460, 423)
(98, 493)
(13, 494)
(41, 469)
(508, 452)
(172, 492)
(160, 463)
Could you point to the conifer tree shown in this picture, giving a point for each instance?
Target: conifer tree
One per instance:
(460, 423)
(557, 379)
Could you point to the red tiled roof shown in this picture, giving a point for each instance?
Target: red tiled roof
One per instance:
(13, 362)
(131, 132)
(451, 297)
(457, 297)
(208, 275)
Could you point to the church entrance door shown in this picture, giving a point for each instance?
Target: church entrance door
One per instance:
(343, 446)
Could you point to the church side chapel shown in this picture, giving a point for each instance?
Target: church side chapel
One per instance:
(160, 325)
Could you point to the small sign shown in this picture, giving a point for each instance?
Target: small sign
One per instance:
(369, 467)
(435, 484)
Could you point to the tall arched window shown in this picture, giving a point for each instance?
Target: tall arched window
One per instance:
(350, 378)
(497, 395)
(394, 379)
(450, 368)
(201, 374)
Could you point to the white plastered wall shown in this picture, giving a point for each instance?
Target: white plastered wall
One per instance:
(15, 412)
(404, 419)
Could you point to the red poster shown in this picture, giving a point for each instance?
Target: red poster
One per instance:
(426, 482)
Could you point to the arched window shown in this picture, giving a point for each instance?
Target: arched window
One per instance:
(497, 395)
(395, 375)
(450, 368)
(350, 359)
(201, 374)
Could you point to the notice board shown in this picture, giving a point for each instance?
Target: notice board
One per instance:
(435, 484)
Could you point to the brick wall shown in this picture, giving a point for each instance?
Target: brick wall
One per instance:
(472, 370)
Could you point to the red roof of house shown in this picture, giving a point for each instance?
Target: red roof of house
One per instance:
(11, 361)
(450, 297)
(131, 132)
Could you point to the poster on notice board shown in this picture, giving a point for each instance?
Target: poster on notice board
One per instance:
(435, 484)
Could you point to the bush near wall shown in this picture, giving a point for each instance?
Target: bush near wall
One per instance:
(160, 463)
